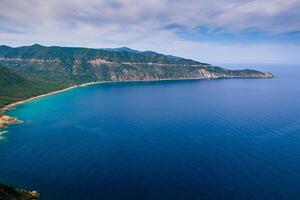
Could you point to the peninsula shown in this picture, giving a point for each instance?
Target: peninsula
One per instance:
(31, 71)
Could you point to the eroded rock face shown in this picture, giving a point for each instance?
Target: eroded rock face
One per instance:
(6, 120)
(69, 66)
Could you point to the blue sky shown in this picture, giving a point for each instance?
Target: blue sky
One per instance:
(214, 31)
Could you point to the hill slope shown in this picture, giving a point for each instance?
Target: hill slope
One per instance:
(33, 70)
(69, 65)
(16, 87)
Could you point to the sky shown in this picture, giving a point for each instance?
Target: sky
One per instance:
(213, 31)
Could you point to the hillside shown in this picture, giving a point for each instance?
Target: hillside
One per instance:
(30, 71)
(16, 87)
(33, 70)
(69, 65)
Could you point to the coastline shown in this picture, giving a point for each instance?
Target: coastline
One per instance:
(12, 105)
(6, 120)
(35, 194)
(13, 120)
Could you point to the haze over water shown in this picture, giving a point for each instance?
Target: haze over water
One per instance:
(206, 139)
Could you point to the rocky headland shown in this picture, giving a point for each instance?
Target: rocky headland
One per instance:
(31, 72)
(6, 120)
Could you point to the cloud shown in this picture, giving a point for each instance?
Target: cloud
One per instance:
(233, 14)
(271, 16)
(151, 24)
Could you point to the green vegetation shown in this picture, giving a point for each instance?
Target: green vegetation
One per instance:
(34, 70)
(16, 87)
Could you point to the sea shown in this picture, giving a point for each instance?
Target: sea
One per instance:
(221, 139)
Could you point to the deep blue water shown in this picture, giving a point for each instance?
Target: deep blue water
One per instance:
(206, 139)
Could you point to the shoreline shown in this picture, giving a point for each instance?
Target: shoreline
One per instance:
(12, 105)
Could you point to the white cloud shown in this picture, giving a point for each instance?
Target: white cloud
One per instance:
(272, 16)
(157, 13)
(141, 24)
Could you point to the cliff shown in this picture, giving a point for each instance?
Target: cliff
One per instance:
(30, 71)
(33, 70)
(69, 65)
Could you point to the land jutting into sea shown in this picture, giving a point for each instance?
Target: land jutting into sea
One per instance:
(31, 72)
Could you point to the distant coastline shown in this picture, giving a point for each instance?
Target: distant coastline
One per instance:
(12, 105)
(51, 70)
(35, 194)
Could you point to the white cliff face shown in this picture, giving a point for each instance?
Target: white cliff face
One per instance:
(206, 74)
(98, 61)
(68, 66)
(79, 70)
(31, 61)
(125, 72)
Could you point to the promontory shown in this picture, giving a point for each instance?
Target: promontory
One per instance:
(30, 71)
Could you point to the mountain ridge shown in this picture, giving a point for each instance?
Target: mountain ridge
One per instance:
(16, 87)
(46, 69)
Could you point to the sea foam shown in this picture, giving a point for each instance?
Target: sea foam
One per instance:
(2, 133)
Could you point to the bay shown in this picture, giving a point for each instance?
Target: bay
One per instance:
(205, 139)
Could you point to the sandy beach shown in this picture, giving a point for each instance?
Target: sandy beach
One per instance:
(10, 106)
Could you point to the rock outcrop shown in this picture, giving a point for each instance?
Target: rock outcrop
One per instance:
(10, 193)
(6, 120)
(70, 66)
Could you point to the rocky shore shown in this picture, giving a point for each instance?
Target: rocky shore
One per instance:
(10, 193)
(7, 192)
(6, 120)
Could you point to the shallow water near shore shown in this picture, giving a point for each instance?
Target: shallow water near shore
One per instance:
(206, 139)
(2, 133)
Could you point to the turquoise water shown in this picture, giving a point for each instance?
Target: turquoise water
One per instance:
(206, 139)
